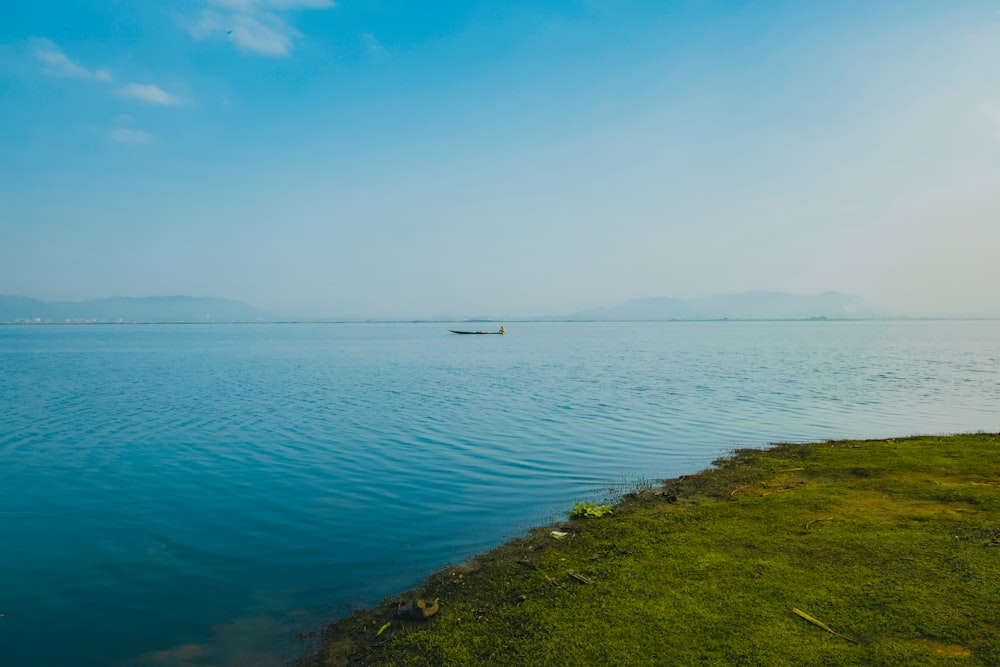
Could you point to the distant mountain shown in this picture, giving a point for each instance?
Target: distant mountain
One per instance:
(746, 306)
(658, 308)
(129, 309)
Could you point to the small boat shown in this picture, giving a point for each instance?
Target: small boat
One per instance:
(480, 332)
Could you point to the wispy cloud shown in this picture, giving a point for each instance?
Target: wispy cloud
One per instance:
(58, 63)
(150, 93)
(373, 46)
(265, 34)
(126, 135)
(257, 26)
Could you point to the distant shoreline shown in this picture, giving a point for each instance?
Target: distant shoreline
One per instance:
(749, 306)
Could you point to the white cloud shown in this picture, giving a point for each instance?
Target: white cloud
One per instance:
(253, 34)
(150, 93)
(125, 135)
(59, 64)
(283, 5)
(256, 26)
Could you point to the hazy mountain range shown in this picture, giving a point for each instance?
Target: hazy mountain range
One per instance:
(129, 309)
(746, 306)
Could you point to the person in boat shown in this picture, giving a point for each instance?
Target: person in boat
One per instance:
(502, 330)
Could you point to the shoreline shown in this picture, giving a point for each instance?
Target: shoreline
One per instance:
(795, 554)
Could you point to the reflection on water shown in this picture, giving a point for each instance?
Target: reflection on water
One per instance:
(250, 641)
(217, 488)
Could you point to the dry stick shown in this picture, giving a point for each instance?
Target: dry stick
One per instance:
(821, 624)
(825, 518)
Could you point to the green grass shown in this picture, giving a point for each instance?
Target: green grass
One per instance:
(895, 544)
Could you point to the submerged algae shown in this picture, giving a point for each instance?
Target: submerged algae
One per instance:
(887, 542)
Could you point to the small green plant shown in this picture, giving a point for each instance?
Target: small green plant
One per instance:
(594, 510)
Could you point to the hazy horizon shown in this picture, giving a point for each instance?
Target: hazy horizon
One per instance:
(748, 305)
(395, 160)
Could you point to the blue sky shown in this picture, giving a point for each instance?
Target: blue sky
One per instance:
(381, 158)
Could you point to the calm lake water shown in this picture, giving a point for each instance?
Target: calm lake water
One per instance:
(197, 494)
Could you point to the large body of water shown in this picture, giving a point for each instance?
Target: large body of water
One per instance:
(197, 494)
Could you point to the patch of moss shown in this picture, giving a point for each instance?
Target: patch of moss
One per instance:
(583, 510)
(895, 544)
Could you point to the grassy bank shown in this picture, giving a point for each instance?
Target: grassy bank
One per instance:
(893, 545)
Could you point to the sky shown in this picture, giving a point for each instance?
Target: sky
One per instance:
(405, 159)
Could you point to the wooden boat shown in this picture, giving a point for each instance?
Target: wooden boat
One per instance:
(480, 332)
